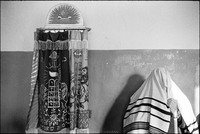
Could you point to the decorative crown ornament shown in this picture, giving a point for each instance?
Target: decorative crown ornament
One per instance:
(64, 16)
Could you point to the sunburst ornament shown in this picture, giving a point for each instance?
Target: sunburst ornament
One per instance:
(63, 15)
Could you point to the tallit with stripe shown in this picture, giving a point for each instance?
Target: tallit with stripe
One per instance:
(148, 111)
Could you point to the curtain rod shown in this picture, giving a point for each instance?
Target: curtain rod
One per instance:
(69, 28)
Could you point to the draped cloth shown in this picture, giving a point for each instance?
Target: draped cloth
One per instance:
(148, 111)
(59, 83)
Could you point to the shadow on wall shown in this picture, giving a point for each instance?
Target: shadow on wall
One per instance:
(114, 120)
(14, 125)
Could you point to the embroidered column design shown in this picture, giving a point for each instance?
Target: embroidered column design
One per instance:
(79, 82)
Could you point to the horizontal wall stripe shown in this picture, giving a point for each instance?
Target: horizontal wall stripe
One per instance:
(101, 50)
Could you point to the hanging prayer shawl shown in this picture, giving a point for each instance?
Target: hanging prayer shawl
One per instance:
(148, 111)
(59, 83)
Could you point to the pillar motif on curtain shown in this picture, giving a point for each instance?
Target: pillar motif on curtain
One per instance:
(59, 82)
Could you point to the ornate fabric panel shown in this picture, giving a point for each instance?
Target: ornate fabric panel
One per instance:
(32, 117)
(49, 45)
(53, 85)
(79, 81)
(59, 95)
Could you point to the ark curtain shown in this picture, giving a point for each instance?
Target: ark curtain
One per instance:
(59, 83)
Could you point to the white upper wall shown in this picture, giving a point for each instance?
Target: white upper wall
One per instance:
(115, 25)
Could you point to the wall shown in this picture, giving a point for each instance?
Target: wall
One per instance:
(115, 25)
(127, 41)
(114, 75)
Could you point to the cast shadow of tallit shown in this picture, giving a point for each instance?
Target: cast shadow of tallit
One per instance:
(114, 120)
